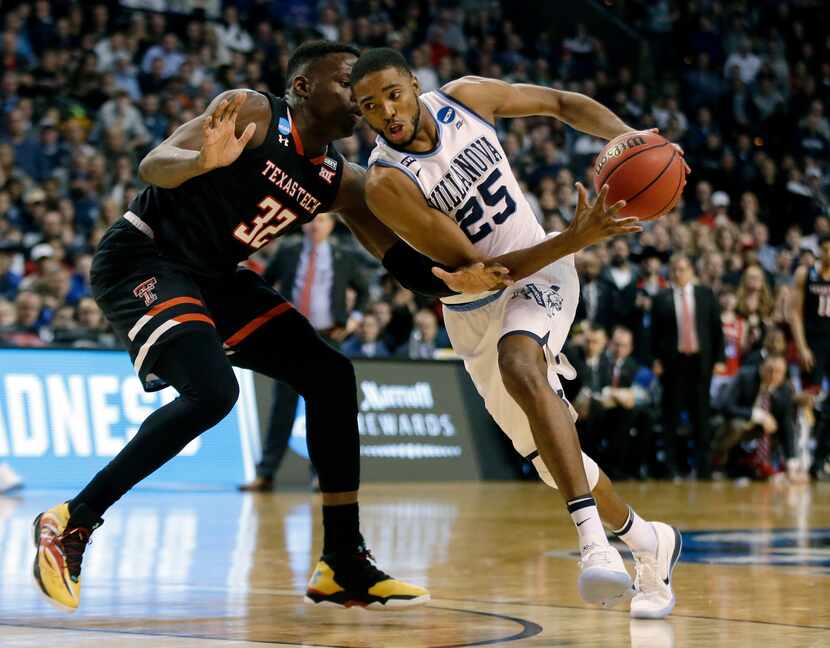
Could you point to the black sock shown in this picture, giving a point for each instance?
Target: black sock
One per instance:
(80, 515)
(341, 528)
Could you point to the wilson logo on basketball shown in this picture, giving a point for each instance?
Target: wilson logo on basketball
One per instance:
(618, 150)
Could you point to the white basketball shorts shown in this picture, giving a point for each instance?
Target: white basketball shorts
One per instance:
(541, 306)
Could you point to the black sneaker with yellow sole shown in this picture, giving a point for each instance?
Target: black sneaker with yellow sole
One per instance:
(352, 580)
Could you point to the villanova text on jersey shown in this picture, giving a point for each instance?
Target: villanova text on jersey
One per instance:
(465, 170)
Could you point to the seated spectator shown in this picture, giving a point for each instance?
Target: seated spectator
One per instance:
(775, 343)
(92, 327)
(367, 343)
(8, 315)
(9, 280)
(426, 336)
(758, 407)
(26, 331)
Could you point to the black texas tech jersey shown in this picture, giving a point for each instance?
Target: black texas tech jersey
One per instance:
(213, 221)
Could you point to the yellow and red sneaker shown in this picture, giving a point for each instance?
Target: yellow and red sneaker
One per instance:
(352, 580)
(61, 539)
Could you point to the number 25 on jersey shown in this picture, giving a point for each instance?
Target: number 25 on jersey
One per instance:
(271, 220)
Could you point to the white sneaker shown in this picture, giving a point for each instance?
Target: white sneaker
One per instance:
(604, 578)
(9, 480)
(654, 598)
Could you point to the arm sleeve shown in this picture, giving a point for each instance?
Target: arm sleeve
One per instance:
(414, 271)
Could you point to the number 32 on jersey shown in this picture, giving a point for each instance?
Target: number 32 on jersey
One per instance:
(272, 220)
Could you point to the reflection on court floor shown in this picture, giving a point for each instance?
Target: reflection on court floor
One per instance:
(202, 569)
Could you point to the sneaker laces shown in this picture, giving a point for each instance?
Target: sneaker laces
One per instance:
(366, 561)
(357, 571)
(646, 567)
(74, 543)
(594, 551)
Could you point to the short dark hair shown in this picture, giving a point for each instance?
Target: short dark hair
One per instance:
(824, 238)
(375, 60)
(313, 50)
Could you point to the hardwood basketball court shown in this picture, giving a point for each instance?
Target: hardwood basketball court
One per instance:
(182, 570)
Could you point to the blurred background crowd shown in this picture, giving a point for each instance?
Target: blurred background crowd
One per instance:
(89, 88)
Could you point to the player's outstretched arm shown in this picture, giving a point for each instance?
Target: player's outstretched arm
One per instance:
(492, 98)
(400, 205)
(234, 120)
(592, 223)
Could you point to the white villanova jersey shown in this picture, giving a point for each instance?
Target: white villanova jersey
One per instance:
(468, 177)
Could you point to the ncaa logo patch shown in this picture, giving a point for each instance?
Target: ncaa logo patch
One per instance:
(330, 163)
(283, 126)
(446, 115)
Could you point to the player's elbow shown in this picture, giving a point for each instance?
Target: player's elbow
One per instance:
(142, 170)
(147, 171)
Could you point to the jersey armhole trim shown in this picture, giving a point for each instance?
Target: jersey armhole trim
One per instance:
(467, 109)
(402, 168)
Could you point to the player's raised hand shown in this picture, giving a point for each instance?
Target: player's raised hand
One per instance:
(220, 145)
(475, 278)
(596, 221)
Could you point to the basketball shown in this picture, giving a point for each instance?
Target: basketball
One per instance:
(645, 170)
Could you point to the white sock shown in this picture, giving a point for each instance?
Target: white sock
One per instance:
(637, 534)
(585, 515)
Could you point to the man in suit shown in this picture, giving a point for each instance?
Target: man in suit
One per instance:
(687, 339)
(595, 293)
(594, 375)
(315, 273)
(759, 405)
(621, 275)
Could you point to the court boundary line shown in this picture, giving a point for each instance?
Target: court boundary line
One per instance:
(626, 613)
(528, 629)
(282, 592)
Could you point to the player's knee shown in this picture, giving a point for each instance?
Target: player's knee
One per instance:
(521, 373)
(338, 373)
(340, 370)
(217, 394)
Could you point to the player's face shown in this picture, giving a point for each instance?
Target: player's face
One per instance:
(388, 100)
(331, 94)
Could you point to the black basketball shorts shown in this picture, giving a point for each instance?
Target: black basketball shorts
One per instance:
(150, 301)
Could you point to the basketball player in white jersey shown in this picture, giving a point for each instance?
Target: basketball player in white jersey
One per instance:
(439, 178)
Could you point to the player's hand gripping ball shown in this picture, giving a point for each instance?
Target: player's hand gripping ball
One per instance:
(645, 170)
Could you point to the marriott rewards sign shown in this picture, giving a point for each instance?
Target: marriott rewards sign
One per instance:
(418, 421)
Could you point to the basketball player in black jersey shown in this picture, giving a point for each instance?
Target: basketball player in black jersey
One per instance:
(251, 168)
(810, 317)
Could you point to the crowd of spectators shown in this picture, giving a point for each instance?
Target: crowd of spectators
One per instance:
(88, 88)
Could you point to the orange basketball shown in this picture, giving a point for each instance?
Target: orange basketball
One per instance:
(643, 169)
